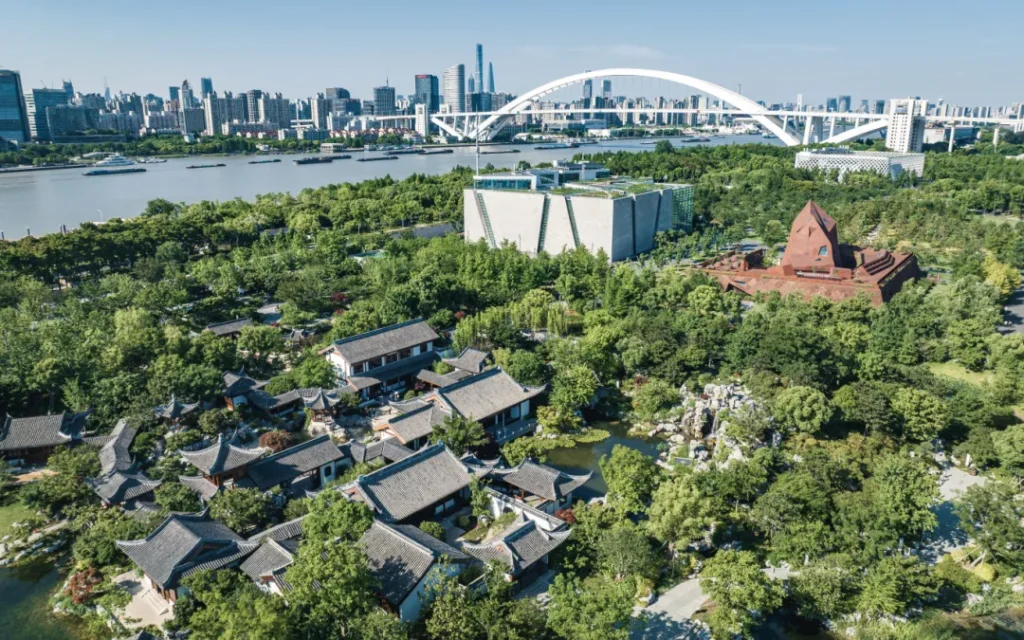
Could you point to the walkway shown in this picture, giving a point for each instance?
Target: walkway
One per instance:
(1014, 313)
(146, 608)
(948, 534)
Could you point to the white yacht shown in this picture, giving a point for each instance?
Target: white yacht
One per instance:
(114, 164)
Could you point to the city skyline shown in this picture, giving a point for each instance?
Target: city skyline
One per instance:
(751, 46)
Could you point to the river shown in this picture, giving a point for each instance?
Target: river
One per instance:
(42, 201)
(25, 592)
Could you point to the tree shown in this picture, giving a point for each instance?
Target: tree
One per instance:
(449, 613)
(802, 408)
(435, 529)
(680, 513)
(903, 493)
(893, 584)
(96, 532)
(176, 497)
(624, 551)
(823, 589)
(573, 388)
(631, 478)
(601, 609)
(924, 415)
(6, 477)
(380, 625)
(260, 342)
(664, 146)
(460, 434)
(740, 589)
(240, 509)
(233, 607)
(216, 421)
(653, 396)
(276, 440)
(1009, 446)
(479, 497)
(525, 367)
(332, 516)
(332, 587)
(67, 486)
(991, 514)
(867, 404)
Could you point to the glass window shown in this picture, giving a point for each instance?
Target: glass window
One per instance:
(823, 251)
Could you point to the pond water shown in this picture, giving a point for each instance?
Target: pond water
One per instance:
(25, 592)
(586, 457)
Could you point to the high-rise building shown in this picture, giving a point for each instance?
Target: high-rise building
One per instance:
(14, 125)
(479, 75)
(864, 107)
(455, 88)
(275, 110)
(906, 125)
(427, 92)
(384, 101)
(69, 91)
(831, 104)
(845, 103)
(320, 107)
(252, 105)
(337, 93)
(220, 111)
(174, 93)
(471, 85)
(36, 103)
(422, 123)
(588, 90)
(368, 107)
(206, 87)
(186, 95)
(490, 77)
(879, 106)
(606, 89)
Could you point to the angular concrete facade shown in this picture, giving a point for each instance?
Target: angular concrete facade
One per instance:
(622, 226)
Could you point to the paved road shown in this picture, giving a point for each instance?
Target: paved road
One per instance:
(1014, 313)
(948, 534)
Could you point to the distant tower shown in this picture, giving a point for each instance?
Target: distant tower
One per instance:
(606, 89)
(186, 95)
(69, 89)
(588, 90)
(490, 77)
(471, 86)
(454, 88)
(106, 90)
(206, 87)
(478, 77)
(174, 93)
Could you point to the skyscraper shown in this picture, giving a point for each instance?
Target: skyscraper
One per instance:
(490, 77)
(174, 93)
(337, 93)
(36, 103)
(252, 105)
(606, 89)
(879, 106)
(69, 90)
(186, 95)
(906, 125)
(845, 104)
(831, 104)
(13, 114)
(455, 88)
(206, 87)
(479, 75)
(471, 85)
(427, 92)
(384, 101)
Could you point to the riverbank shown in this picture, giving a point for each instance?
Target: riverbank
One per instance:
(26, 612)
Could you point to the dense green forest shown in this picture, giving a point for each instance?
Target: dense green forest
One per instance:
(859, 396)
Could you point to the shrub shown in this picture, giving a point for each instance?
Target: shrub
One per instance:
(433, 528)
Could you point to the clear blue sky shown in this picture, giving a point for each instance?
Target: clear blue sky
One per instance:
(868, 49)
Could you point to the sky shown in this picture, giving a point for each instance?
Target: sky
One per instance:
(769, 50)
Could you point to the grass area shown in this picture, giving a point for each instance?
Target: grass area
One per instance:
(11, 511)
(957, 371)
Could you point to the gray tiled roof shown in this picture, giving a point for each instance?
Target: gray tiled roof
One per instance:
(239, 384)
(471, 360)
(270, 559)
(200, 486)
(403, 488)
(40, 431)
(183, 543)
(319, 399)
(540, 480)
(519, 547)
(114, 454)
(380, 342)
(229, 327)
(221, 457)
(389, 450)
(397, 369)
(289, 530)
(293, 462)
(117, 487)
(174, 409)
(401, 555)
(418, 422)
(486, 394)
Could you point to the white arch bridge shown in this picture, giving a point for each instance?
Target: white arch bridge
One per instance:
(786, 125)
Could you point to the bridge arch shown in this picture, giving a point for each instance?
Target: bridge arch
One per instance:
(744, 105)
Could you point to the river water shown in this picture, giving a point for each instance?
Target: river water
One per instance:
(42, 201)
(25, 591)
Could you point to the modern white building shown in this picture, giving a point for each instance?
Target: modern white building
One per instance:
(455, 88)
(843, 159)
(906, 125)
(560, 209)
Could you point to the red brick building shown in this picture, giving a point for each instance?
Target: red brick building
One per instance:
(815, 264)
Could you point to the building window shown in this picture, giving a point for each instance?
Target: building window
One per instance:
(823, 251)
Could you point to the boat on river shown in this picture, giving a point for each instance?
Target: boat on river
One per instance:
(498, 153)
(267, 161)
(206, 166)
(558, 145)
(376, 158)
(113, 165)
(437, 152)
(317, 160)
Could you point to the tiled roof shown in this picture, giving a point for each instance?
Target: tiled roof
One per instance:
(471, 360)
(40, 431)
(401, 555)
(184, 543)
(268, 561)
(519, 547)
(397, 369)
(114, 454)
(418, 422)
(221, 457)
(436, 379)
(289, 530)
(200, 486)
(402, 488)
(117, 487)
(486, 394)
(293, 462)
(239, 384)
(540, 479)
(229, 327)
(388, 449)
(319, 399)
(174, 409)
(380, 342)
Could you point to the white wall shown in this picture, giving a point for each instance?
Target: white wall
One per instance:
(595, 222)
(559, 234)
(409, 610)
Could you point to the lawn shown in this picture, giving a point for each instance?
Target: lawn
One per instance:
(957, 371)
(11, 511)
